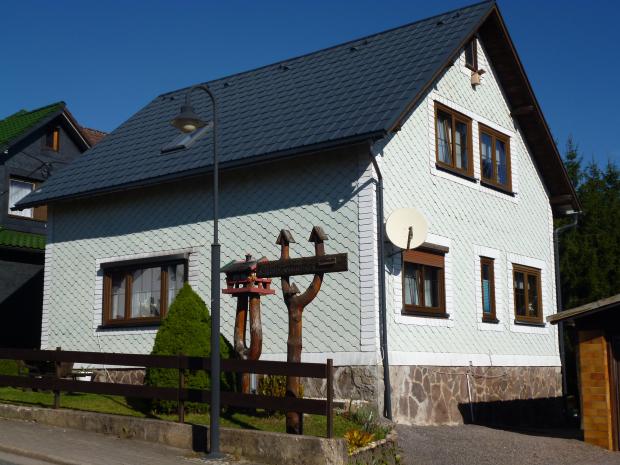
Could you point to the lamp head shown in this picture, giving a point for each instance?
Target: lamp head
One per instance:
(187, 120)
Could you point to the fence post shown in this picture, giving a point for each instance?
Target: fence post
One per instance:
(181, 402)
(330, 397)
(56, 391)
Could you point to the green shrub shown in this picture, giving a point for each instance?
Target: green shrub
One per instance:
(186, 330)
(9, 367)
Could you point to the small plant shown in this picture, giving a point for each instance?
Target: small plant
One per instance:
(357, 438)
(368, 421)
(275, 386)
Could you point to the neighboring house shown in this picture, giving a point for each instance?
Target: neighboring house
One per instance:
(598, 360)
(316, 140)
(33, 144)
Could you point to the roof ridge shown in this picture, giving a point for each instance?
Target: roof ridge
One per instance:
(331, 47)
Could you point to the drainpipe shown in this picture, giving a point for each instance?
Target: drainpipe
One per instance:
(558, 290)
(387, 389)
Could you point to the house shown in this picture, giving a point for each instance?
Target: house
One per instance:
(598, 360)
(33, 145)
(340, 138)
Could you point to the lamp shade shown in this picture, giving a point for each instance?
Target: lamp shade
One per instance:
(187, 120)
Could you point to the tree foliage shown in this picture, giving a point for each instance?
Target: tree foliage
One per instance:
(186, 330)
(590, 253)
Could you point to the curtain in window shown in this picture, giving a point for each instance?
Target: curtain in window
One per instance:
(17, 191)
(118, 297)
(519, 283)
(444, 137)
(486, 146)
(175, 280)
(146, 292)
(500, 160)
(431, 287)
(412, 294)
(532, 295)
(460, 140)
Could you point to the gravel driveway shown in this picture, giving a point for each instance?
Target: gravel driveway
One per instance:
(477, 445)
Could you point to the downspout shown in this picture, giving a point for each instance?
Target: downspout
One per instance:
(387, 389)
(558, 291)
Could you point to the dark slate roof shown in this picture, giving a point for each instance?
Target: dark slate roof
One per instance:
(10, 238)
(354, 90)
(14, 126)
(608, 303)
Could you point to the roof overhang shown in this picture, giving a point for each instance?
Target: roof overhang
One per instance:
(591, 308)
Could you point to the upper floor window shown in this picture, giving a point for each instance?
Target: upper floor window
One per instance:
(142, 293)
(423, 283)
(18, 189)
(52, 139)
(495, 158)
(471, 55)
(453, 140)
(487, 279)
(527, 294)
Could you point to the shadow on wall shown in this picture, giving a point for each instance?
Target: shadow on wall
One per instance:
(21, 314)
(525, 415)
(329, 180)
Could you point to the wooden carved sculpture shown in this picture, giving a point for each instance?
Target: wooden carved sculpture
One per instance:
(241, 282)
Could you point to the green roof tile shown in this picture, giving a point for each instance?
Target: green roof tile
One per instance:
(10, 238)
(18, 123)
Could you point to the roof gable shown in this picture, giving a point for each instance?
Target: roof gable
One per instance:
(353, 91)
(19, 124)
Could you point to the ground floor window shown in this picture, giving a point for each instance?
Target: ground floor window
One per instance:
(527, 294)
(487, 279)
(140, 294)
(423, 283)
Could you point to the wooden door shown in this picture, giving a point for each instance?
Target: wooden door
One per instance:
(615, 387)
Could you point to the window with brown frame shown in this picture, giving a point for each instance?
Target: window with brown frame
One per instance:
(495, 158)
(423, 283)
(18, 189)
(453, 141)
(487, 281)
(52, 139)
(471, 55)
(141, 294)
(527, 294)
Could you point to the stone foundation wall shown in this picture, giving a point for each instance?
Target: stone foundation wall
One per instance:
(363, 383)
(431, 395)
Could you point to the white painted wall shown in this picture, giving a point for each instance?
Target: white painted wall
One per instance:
(255, 205)
(472, 220)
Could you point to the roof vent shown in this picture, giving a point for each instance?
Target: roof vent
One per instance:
(440, 22)
(283, 67)
(227, 84)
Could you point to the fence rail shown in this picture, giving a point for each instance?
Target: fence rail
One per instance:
(181, 394)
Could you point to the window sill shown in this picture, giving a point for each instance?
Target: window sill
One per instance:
(497, 188)
(443, 316)
(130, 324)
(455, 172)
(490, 320)
(530, 323)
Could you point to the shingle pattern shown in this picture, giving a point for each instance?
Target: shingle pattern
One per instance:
(354, 89)
(10, 238)
(18, 123)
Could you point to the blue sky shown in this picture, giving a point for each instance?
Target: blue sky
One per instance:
(107, 59)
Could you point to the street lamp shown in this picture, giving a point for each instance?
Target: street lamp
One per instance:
(188, 121)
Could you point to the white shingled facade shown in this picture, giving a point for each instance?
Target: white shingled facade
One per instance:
(335, 190)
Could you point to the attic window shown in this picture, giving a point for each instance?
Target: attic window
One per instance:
(185, 141)
(52, 139)
(471, 55)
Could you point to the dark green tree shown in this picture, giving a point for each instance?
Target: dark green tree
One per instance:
(186, 330)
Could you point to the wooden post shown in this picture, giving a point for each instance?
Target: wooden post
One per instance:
(181, 402)
(56, 391)
(330, 397)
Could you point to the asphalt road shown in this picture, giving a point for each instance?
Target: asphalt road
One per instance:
(477, 445)
(10, 459)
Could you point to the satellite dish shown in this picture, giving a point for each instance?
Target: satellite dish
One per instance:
(406, 228)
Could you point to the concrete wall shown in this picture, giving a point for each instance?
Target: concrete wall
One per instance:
(255, 204)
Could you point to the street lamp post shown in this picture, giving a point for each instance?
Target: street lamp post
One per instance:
(188, 121)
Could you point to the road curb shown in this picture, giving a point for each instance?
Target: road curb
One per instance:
(37, 456)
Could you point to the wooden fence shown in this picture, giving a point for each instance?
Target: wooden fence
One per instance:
(180, 394)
